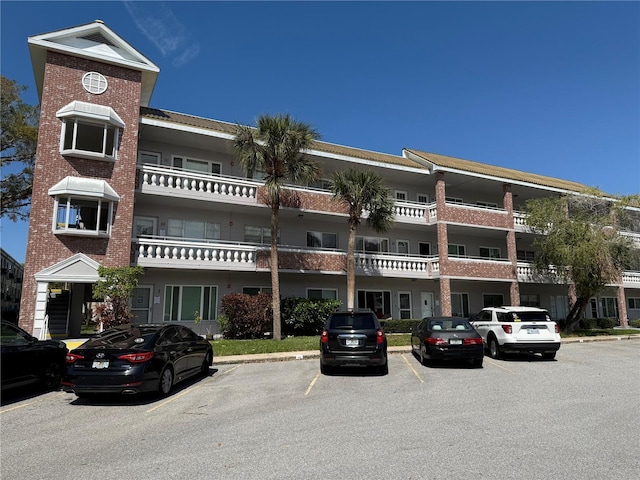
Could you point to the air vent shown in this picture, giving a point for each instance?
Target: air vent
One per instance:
(98, 38)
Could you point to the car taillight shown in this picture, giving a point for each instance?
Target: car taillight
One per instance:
(507, 329)
(435, 341)
(136, 357)
(557, 328)
(324, 338)
(72, 358)
(472, 341)
(379, 336)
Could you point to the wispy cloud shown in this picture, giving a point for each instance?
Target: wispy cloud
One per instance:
(158, 23)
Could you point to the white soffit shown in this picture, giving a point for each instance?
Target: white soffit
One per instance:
(90, 110)
(94, 41)
(84, 187)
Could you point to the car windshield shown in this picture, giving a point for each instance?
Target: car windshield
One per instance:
(353, 322)
(134, 337)
(446, 324)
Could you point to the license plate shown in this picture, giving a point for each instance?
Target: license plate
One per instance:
(533, 331)
(100, 364)
(352, 342)
(455, 341)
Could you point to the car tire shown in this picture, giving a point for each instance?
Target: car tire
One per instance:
(494, 348)
(204, 369)
(52, 376)
(166, 382)
(549, 355)
(325, 369)
(384, 369)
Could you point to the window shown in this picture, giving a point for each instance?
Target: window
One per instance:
(94, 82)
(378, 301)
(148, 158)
(89, 130)
(144, 226)
(204, 166)
(322, 184)
(423, 198)
(530, 300)
(424, 248)
(525, 255)
(404, 304)
(372, 244)
(490, 252)
(609, 307)
(256, 290)
(452, 200)
(322, 240)
(487, 204)
(401, 195)
(195, 229)
(403, 247)
(83, 215)
(456, 250)
(460, 305)
(492, 300)
(634, 303)
(322, 294)
(181, 302)
(257, 234)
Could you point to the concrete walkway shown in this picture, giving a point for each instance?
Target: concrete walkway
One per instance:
(287, 356)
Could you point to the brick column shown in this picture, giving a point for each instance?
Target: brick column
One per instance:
(443, 246)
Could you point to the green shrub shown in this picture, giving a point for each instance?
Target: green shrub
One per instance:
(247, 316)
(606, 322)
(303, 316)
(398, 326)
(588, 324)
(635, 323)
(595, 323)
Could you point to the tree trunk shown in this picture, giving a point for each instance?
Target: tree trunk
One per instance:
(275, 279)
(576, 314)
(351, 268)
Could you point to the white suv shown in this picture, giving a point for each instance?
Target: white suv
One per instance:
(518, 329)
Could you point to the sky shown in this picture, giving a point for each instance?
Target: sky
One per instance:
(551, 88)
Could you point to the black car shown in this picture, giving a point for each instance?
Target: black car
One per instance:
(27, 360)
(353, 338)
(130, 359)
(447, 338)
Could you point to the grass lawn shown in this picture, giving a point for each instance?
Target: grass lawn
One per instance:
(297, 344)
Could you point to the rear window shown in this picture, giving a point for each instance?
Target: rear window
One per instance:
(449, 325)
(118, 338)
(525, 317)
(354, 321)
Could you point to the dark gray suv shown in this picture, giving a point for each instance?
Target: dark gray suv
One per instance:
(353, 338)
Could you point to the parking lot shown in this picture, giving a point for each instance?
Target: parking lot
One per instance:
(526, 418)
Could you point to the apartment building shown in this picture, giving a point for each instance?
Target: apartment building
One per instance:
(120, 183)
(11, 281)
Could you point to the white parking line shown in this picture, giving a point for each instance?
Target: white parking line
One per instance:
(412, 369)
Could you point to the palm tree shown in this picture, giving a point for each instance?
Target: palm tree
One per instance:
(276, 147)
(363, 193)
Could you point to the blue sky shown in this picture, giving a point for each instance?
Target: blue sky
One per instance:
(546, 87)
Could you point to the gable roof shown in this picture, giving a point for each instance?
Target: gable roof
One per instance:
(228, 130)
(78, 268)
(94, 41)
(435, 162)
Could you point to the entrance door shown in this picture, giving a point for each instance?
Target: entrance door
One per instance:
(141, 304)
(426, 304)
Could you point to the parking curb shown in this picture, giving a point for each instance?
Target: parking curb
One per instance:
(311, 354)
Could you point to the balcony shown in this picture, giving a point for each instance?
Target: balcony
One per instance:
(198, 186)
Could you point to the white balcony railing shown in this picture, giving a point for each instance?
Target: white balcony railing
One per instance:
(397, 265)
(414, 212)
(170, 181)
(180, 253)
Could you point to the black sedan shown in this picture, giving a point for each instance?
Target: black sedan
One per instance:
(28, 361)
(129, 359)
(447, 338)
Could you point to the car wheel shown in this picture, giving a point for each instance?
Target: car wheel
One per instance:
(494, 348)
(384, 369)
(52, 376)
(549, 355)
(325, 369)
(204, 370)
(166, 381)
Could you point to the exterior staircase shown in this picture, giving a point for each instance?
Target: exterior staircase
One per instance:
(58, 313)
